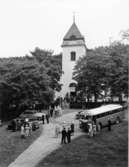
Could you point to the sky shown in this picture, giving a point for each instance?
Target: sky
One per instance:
(26, 24)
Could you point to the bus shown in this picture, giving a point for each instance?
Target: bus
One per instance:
(101, 115)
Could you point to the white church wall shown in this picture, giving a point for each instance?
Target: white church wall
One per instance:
(68, 65)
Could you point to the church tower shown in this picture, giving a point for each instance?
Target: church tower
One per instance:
(73, 47)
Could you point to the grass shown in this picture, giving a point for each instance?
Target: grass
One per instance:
(106, 149)
(11, 144)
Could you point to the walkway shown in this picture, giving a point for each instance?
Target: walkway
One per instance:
(45, 144)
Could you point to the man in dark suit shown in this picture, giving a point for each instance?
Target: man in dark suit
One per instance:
(43, 118)
(47, 118)
(69, 135)
(109, 125)
(64, 134)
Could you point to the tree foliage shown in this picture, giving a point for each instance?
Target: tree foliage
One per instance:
(103, 69)
(125, 34)
(29, 80)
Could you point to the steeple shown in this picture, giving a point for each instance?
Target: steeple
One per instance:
(73, 37)
(73, 17)
(73, 47)
(73, 33)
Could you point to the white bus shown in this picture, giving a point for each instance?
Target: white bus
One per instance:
(101, 115)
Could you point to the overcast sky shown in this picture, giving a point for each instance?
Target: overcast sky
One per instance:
(26, 24)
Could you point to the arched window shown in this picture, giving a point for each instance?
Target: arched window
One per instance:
(73, 56)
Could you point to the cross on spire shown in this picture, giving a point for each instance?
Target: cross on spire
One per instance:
(73, 17)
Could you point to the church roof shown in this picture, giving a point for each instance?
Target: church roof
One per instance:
(73, 33)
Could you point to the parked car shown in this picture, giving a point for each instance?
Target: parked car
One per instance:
(35, 124)
(39, 115)
(79, 115)
(30, 114)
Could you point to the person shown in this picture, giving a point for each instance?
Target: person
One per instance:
(98, 127)
(69, 135)
(22, 131)
(63, 139)
(27, 130)
(43, 118)
(30, 128)
(90, 129)
(55, 111)
(72, 128)
(47, 118)
(109, 125)
(57, 131)
(51, 111)
(18, 124)
(14, 126)
(94, 129)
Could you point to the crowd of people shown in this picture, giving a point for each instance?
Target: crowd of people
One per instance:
(66, 133)
(24, 126)
(92, 128)
(45, 118)
(55, 110)
(26, 130)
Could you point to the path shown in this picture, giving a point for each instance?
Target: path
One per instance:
(45, 144)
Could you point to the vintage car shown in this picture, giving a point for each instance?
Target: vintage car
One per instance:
(39, 115)
(79, 115)
(30, 114)
(35, 124)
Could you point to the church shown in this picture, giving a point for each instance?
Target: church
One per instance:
(73, 47)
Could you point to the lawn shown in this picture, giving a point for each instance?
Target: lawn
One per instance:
(106, 149)
(11, 144)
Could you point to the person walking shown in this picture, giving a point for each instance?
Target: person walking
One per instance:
(27, 130)
(30, 128)
(64, 134)
(94, 129)
(57, 131)
(90, 133)
(47, 118)
(43, 118)
(69, 135)
(22, 131)
(72, 128)
(51, 112)
(109, 125)
(14, 126)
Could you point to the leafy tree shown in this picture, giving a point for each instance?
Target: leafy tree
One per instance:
(52, 65)
(125, 34)
(28, 81)
(103, 69)
(119, 69)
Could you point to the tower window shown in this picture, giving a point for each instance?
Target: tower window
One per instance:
(73, 56)
(72, 37)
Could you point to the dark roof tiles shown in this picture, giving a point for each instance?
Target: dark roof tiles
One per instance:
(73, 33)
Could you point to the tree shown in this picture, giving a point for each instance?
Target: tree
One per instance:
(119, 69)
(125, 35)
(102, 69)
(28, 80)
(52, 65)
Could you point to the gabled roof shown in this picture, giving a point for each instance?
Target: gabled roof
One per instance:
(73, 33)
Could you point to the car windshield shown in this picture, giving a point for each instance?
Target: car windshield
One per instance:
(32, 119)
(29, 112)
(88, 117)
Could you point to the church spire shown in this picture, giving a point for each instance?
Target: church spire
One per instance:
(73, 17)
